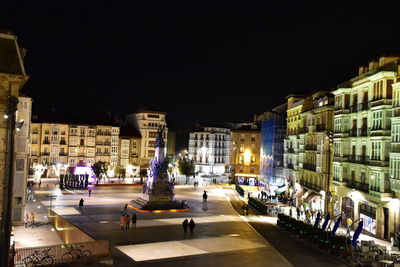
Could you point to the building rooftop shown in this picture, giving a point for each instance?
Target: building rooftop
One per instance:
(52, 116)
(129, 131)
(10, 55)
(145, 110)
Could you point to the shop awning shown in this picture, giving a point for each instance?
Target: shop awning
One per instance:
(299, 193)
(312, 196)
(280, 190)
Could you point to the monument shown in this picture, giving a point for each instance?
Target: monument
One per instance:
(158, 192)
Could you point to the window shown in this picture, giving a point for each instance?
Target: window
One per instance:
(376, 147)
(82, 143)
(395, 132)
(241, 149)
(377, 120)
(253, 138)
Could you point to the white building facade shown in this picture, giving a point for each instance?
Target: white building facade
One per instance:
(148, 122)
(210, 150)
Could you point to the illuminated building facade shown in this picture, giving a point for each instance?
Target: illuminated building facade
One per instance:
(21, 165)
(273, 133)
(245, 154)
(366, 159)
(12, 79)
(315, 153)
(148, 122)
(209, 147)
(129, 151)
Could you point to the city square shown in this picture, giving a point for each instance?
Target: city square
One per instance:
(224, 134)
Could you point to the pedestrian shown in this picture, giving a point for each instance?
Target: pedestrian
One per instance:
(349, 222)
(205, 196)
(259, 195)
(122, 222)
(248, 194)
(32, 219)
(134, 219)
(192, 225)
(308, 215)
(81, 203)
(127, 222)
(26, 220)
(185, 225)
(243, 208)
(90, 191)
(126, 207)
(290, 212)
(298, 213)
(247, 210)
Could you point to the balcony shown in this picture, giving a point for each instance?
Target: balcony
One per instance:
(35, 132)
(63, 154)
(360, 159)
(379, 162)
(321, 128)
(339, 182)
(107, 143)
(310, 167)
(353, 132)
(290, 166)
(381, 102)
(340, 110)
(338, 158)
(45, 154)
(357, 185)
(362, 131)
(46, 142)
(311, 186)
(62, 142)
(303, 130)
(379, 131)
(353, 109)
(363, 106)
(290, 150)
(310, 147)
(396, 112)
(99, 133)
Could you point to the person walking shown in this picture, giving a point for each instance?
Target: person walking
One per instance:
(90, 191)
(26, 220)
(134, 219)
(122, 222)
(185, 226)
(192, 225)
(205, 196)
(247, 210)
(127, 222)
(298, 213)
(32, 219)
(81, 203)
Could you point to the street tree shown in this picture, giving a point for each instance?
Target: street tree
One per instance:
(186, 167)
(99, 168)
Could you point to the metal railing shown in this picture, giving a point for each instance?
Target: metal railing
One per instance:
(357, 185)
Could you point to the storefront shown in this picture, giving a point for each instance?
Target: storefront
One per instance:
(313, 201)
(245, 179)
(368, 215)
(347, 210)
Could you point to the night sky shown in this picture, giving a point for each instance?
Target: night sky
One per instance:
(198, 61)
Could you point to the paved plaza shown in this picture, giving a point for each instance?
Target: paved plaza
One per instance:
(221, 236)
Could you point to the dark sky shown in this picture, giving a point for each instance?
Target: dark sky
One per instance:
(199, 61)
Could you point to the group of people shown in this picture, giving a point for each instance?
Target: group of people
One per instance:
(29, 220)
(125, 220)
(187, 224)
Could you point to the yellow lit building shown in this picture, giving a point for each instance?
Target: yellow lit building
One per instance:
(245, 154)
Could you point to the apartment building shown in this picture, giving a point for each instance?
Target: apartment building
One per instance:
(365, 163)
(273, 133)
(245, 154)
(21, 149)
(210, 149)
(148, 122)
(307, 156)
(130, 144)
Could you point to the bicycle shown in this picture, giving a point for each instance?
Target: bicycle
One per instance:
(36, 259)
(76, 254)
